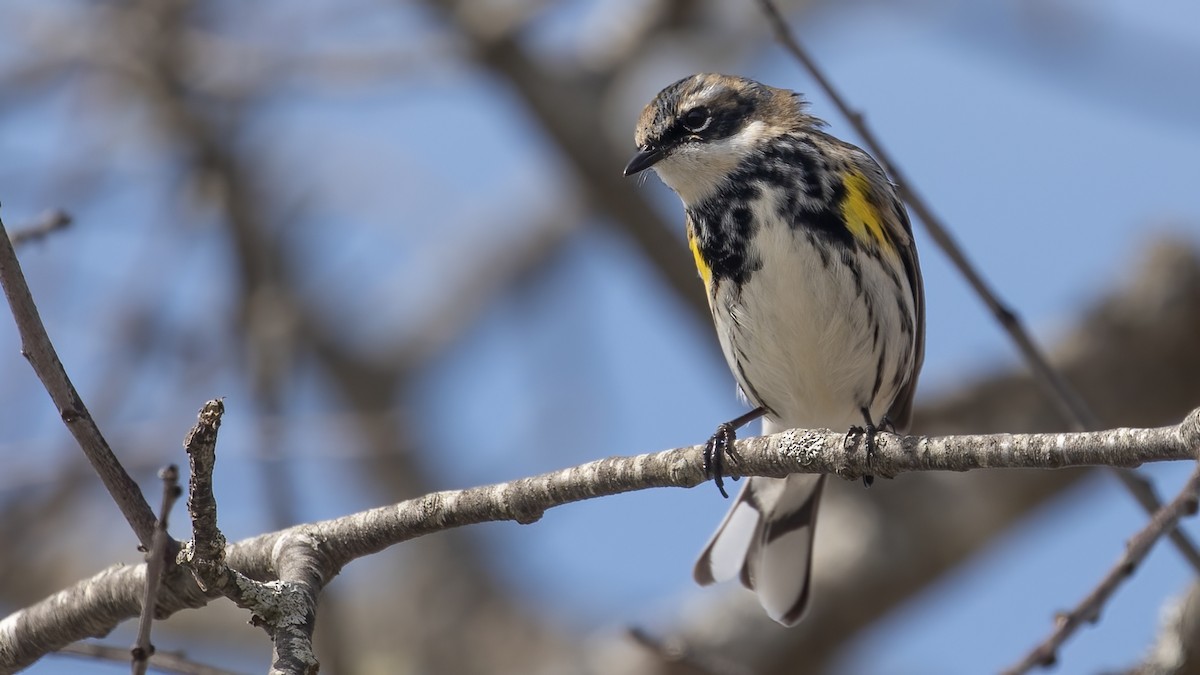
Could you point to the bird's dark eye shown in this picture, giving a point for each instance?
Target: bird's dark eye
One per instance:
(696, 119)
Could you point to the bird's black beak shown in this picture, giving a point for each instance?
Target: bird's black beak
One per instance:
(644, 159)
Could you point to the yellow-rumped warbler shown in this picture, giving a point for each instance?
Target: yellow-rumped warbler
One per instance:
(815, 289)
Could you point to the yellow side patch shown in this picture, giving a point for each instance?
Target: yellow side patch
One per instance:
(701, 266)
(862, 218)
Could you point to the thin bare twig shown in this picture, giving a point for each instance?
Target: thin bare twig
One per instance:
(1088, 610)
(156, 564)
(167, 662)
(49, 222)
(37, 348)
(1070, 403)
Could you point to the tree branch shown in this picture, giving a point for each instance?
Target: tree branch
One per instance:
(794, 451)
(328, 545)
(36, 347)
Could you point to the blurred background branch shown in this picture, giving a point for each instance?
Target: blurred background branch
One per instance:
(47, 223)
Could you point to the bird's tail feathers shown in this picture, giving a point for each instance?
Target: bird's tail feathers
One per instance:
(766, 540)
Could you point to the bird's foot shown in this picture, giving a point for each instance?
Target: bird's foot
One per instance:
(866, 433)
(715, 451)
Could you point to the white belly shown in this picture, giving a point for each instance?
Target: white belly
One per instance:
(800, 339)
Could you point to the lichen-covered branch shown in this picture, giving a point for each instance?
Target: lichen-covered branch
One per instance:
(328, 545)
(793, 451)
(303, 572)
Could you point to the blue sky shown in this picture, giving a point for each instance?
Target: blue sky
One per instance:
(1053, 156)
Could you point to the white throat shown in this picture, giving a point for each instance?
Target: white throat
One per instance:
(696, 170)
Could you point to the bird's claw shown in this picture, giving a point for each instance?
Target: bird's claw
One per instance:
(867, 434)
(715, 451)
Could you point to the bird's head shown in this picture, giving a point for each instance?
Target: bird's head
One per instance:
(699, 129)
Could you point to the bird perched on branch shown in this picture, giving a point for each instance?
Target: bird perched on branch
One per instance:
(808, 259)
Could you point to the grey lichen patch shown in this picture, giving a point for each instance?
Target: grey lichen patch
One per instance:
(291, 603)
(275, 603)
(187, 552)
(805, 446)
(255, 594)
